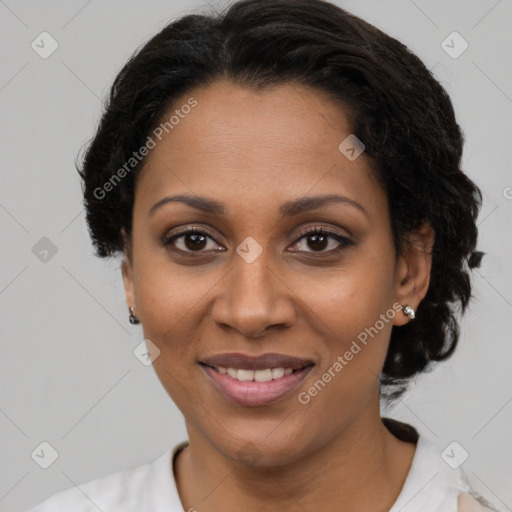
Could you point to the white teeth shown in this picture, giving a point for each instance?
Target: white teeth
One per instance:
(277, 373)
(245, 375)
(262, 375)
(258, 375)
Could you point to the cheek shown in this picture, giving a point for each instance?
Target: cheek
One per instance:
(353, 297)
(167, 297)
(355, 307)
(167, 302)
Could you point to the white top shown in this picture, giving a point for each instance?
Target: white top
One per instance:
(430, 485)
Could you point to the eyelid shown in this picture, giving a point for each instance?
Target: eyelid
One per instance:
(187, 229)
(323, 229)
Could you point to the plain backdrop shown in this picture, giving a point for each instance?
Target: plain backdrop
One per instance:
(68, 373)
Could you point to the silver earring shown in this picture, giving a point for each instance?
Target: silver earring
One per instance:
(133, 319)
(409, 311)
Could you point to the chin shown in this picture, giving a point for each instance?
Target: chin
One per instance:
(258, 449)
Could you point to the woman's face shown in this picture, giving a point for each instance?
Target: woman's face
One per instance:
(251, 283)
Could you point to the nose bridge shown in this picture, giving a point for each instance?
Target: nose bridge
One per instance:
(253, 277)
(253, 296)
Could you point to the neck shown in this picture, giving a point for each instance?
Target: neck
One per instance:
(361, 468)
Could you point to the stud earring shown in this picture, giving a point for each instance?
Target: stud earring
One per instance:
(409, 311)
(133, 319)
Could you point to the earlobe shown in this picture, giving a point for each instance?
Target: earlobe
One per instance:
(413, 270)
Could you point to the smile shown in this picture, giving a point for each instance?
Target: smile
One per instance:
(256, 375)
(255, 381)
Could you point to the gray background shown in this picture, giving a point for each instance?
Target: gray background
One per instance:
(68, 373)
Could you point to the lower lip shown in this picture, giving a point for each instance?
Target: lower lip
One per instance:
(252, 393)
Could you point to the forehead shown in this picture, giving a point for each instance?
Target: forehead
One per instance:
(242, 146)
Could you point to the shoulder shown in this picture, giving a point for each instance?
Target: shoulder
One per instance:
(131, 490)
(433, 481)
(451, 482)
(468, 503)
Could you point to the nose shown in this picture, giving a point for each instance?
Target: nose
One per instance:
(253, 298)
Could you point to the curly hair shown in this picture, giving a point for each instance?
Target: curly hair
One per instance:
(397, 108)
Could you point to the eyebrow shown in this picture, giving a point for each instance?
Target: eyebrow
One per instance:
(287, 209)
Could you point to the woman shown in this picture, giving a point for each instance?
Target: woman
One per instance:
(283, 182)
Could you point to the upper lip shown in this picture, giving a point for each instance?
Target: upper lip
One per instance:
(261, 362)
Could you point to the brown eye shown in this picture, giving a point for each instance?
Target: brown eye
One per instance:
(194, 241)
(199, 240)
(321, 239)
(190, 240)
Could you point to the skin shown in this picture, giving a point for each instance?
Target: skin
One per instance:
(254, 151)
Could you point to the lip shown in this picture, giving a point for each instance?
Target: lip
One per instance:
(253, 393)
(261, 362)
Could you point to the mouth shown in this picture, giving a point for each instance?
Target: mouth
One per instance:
(255, 381)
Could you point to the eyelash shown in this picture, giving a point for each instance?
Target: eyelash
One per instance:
(344, 241)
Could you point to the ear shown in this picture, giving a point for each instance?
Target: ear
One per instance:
(127, 273)
(413, 269)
